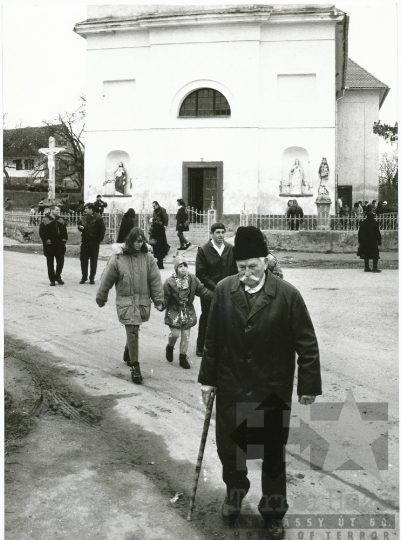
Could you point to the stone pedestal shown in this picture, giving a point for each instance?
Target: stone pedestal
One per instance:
(323, 203)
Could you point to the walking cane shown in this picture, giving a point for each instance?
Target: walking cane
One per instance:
(206, 423)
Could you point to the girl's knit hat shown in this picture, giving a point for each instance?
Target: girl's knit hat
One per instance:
(178, 261)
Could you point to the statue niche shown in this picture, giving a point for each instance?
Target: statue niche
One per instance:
(117, 173)
(295, 182)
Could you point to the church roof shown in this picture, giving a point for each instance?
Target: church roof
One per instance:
(358, 78)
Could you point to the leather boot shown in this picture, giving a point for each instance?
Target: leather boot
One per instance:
(169, 353)
(184, 361)
(136, 375)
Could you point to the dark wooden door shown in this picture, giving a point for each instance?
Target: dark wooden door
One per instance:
(346, 193)
(209, 187)
(195, 188)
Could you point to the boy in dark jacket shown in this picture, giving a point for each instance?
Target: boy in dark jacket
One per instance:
(53, 233)
(92, 227)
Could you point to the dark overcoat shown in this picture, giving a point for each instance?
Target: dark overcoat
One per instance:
(369, 239)
(92, 227)
(127, 224)
(157, 233)
(250, 353)
(54, 230)
(182, 220)
(211, 267)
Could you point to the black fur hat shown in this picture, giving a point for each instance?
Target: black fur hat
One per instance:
(249, 243)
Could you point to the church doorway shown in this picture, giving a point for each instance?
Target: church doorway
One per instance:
(202, 188)
(203, 185)
(346, 193)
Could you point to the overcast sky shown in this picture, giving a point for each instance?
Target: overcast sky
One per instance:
(44, 60)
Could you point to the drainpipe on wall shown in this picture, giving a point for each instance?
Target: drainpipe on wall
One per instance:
(336, 145)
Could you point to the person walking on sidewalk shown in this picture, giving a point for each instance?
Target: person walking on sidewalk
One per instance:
(53, 233)
(92, 227)
(182, 224)
(214, 262)
(369, 239)
(257, 325)
(158, 241)
(179, 293)
(137, 279)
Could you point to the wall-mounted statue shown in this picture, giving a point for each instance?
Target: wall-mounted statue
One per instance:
(296, 182)
(324, 174)
(120, 178)
(296, 177)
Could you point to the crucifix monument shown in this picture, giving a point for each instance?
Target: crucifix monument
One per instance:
(51, 163)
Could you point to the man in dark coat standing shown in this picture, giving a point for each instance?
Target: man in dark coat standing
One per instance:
(257, 324)
(53, 233)
(214, 262)
(92, 227)
(99, 205)
(369, 239)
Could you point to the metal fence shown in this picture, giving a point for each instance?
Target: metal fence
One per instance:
(112, 221)
(199, 221)
(273, 222)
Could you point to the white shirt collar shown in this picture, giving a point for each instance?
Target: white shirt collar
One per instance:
(218, 249)
(257, 288)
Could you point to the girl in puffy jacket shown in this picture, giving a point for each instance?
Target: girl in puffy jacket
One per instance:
(137, 279)
(179, 293)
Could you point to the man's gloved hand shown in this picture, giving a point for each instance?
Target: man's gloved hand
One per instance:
(306, 400)
(100, 303)
(159, 307)
(206, 390)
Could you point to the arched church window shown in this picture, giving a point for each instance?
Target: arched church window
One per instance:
(205, 102)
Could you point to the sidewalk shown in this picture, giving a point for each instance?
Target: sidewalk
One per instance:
(388, 259)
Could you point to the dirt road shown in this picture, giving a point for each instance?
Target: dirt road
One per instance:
(105, 456)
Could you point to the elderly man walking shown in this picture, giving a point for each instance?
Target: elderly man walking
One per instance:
(93, 230)
(257, 325)
(214, 262)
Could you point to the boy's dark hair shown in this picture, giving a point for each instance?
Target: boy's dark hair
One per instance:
(89, 205)
(216, 226)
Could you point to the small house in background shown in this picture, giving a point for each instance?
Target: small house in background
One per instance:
(25, 166)
(21, 153)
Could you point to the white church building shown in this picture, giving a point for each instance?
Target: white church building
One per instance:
(235, 105)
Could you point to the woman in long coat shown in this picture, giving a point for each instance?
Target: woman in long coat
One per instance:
(182, 224)
(158, 241)
(127, 223)
(137, 279)
(369, 239)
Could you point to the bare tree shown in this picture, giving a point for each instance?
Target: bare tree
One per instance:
(388, 177)
(68, 131)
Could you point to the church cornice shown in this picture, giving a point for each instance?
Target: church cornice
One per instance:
(236, 15)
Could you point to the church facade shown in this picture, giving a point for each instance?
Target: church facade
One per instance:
(230, 106)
